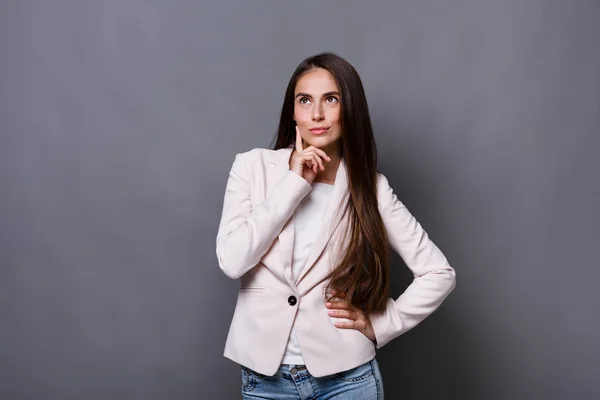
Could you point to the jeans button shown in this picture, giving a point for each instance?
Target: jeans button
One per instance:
(292, 300)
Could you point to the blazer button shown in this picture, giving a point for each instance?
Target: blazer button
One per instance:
(292, 300)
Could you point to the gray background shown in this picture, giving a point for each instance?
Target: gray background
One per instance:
(120, 119)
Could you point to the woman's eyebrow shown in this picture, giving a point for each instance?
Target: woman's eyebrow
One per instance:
(324, 94)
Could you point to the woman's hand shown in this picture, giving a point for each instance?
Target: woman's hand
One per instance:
(342, 309)
(307, 162)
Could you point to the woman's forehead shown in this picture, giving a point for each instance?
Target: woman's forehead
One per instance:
(316, 81)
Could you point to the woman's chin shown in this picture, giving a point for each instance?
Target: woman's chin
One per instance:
(320, 142)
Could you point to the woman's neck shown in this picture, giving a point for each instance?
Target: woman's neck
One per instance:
(331, 167)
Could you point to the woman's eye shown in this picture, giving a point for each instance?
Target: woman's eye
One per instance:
(331, 99)
(304, 100)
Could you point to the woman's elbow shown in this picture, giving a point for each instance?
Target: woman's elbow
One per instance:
(450, 274)
(229, 265)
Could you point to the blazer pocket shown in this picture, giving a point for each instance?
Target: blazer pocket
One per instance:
(255, 289)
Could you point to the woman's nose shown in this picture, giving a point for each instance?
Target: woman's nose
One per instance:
(317, 114)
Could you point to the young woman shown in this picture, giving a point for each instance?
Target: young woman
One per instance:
(307, 227)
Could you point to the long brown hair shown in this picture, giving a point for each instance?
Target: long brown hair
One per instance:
(363, 273)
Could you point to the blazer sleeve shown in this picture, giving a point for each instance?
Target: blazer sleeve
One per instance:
(245, 232)
(433, 280)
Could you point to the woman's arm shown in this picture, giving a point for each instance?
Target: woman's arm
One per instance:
(246, 233)
(433, 280)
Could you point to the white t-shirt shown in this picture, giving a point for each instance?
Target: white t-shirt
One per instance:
(307, 222)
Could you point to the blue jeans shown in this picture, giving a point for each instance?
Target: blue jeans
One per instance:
(295, 382)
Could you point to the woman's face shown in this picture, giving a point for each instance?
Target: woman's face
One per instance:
(317, 110)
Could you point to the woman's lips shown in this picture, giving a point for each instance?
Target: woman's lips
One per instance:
(319, 131)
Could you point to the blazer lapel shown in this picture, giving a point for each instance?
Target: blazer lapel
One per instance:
(330, 218)
(280, 161)
(329, 224)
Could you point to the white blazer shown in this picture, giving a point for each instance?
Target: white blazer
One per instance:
(255, 242)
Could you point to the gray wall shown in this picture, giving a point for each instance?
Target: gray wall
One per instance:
(119, 121)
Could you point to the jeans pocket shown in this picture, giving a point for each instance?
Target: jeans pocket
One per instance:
(248, 379)
(357, 374)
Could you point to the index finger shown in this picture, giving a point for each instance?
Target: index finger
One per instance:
(298, 140)
(339, 305)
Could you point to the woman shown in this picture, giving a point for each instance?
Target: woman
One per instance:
(307, 228)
